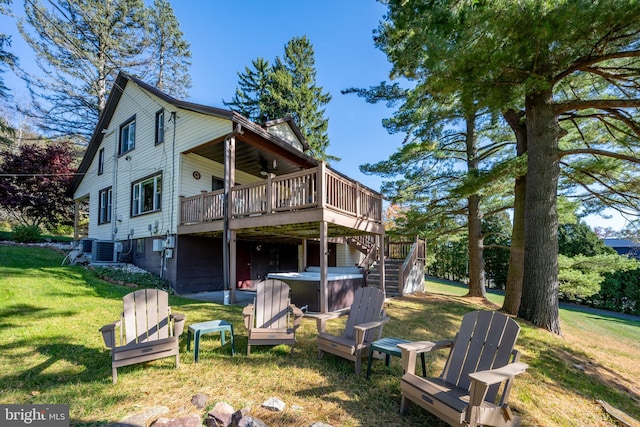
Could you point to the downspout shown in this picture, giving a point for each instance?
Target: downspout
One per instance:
(226, 237)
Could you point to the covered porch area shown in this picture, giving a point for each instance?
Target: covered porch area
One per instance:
(314, 205)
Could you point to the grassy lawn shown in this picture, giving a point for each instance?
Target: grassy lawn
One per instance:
(52, 352)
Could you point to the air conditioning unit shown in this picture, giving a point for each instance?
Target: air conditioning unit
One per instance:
(105, 252)
(86, 245)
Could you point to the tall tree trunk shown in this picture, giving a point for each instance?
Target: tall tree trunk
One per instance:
(476, 257)
(540, 284)
(515, 274)
(474, 217)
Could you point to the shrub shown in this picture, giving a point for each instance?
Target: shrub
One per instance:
(620, 291)
(142, 280)
(27, 234)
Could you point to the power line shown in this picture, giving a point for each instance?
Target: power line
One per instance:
(12, 175)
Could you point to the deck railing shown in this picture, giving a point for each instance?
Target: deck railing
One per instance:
(311, 188)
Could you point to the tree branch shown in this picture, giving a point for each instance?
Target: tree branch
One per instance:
(619, 156)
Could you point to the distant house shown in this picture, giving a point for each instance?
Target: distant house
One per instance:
(209, 200)
(624, 247)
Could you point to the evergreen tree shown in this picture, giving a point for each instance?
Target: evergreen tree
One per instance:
(81, 45)
(169, 52)
(442, 171)
(487, 49)
(7, 59)
(287, 88)
(252, 94)
(298, 95)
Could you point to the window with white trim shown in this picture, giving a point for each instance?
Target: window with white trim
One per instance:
(101, 161)
(127, 136)
(146, 195)
(160, 127)
(104, 209)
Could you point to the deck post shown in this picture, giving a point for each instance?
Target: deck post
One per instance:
(233, 265)
(76, 220)
(358, 193)
(303, 261)
(324, 260)
(322, 191)
(270, 193)
(202, 193)
(229, 182)
(380, 243)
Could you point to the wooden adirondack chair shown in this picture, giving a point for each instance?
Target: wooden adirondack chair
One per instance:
(148, 330)
(481, 359)
(269, 319)
(364, 325)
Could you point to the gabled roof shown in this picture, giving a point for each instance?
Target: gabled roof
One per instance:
(114, 98)
(292, 124)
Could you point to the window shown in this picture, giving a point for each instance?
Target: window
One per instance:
(128, 136)
(146, 195)
(104, 211)
(160, 127)
(101, 161)
(216, 183)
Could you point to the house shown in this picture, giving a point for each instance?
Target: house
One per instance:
(626, 247)
(209, 200)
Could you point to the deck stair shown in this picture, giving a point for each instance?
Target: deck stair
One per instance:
(391, 277)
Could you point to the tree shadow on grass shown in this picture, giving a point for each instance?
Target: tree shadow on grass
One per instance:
(571, 371)
(60, 363)
(14, 315)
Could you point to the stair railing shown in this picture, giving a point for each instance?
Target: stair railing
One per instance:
(415, 254)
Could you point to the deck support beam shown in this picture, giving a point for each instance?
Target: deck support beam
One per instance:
(229, 281)
(324, 268)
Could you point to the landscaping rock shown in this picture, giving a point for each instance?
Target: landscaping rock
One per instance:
(247, 421)
(142, 419)
(191, 420)
(273, 404)
(199, 400)
(319, 424)
(220, 415)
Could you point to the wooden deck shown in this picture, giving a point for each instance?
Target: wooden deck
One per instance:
(288, 206)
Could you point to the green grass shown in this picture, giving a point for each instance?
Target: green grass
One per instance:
(51, 352)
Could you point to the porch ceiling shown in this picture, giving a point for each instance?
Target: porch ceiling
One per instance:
(255, 157)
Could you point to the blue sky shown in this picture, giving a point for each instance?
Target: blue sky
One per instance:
(225, 36)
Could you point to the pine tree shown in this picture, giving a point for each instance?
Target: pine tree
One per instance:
(287, 88)
(82, 45)
(169, 52)
(252, 94)
(538, 57)
(7, 59)
(299, 96)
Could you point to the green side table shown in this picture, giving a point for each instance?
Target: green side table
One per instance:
(389, 347)
(199, 329)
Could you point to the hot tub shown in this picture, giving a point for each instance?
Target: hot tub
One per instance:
(305, 287)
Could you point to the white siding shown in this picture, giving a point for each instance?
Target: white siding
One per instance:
(186, 129)
(207, 168)
(347, 256)
(284, 132)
